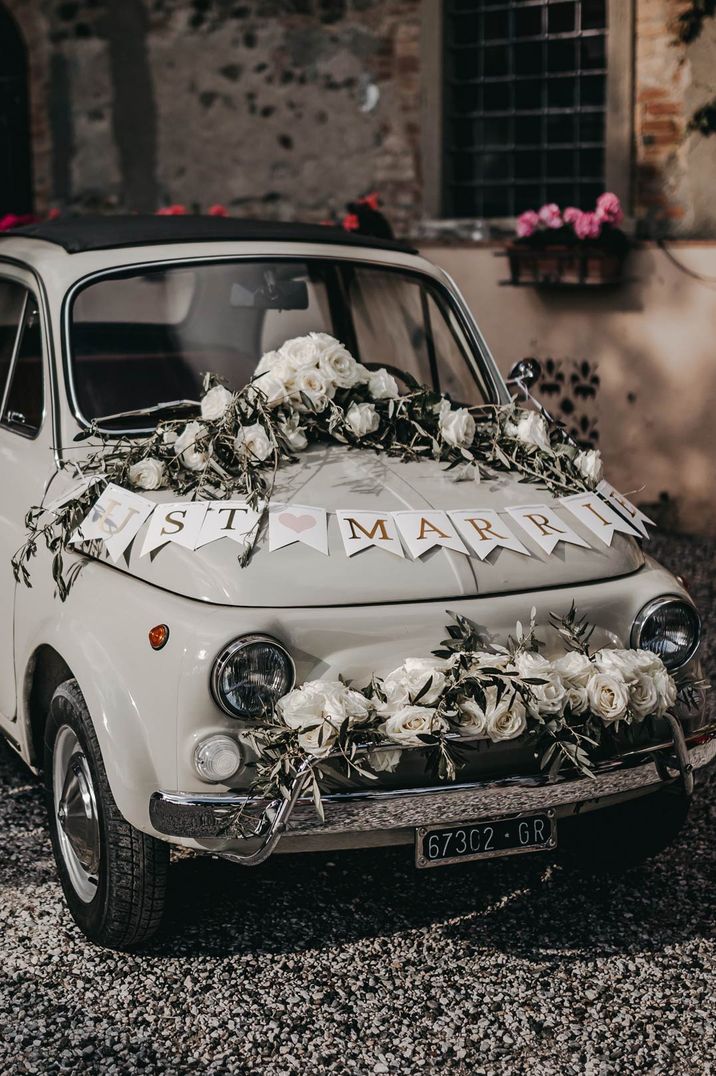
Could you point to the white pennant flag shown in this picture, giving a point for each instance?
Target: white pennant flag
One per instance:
(597, 516)
(484, 530)
(228, 519)
(424, 530)
(178, 522)
(544, 526)
(115, 518)
(361, 530)
(625, 508)
(73, 491)
(298, 523)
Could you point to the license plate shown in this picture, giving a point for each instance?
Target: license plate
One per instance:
(438, 845)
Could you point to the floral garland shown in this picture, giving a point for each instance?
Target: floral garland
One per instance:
(310, 390)
(571, 707)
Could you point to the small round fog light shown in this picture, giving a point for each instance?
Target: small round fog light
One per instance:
(217, 758)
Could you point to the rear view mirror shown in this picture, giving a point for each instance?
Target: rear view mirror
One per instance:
(525, 373)
(273, 295)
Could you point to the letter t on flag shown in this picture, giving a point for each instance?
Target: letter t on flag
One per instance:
(361, 530)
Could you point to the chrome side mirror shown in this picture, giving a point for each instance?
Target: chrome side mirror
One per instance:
(525, 373)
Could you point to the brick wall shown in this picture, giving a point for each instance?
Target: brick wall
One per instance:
(288, 108)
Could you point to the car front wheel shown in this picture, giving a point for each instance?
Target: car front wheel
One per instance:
(113, 876)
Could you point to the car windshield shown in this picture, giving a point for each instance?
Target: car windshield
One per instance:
(140, 338)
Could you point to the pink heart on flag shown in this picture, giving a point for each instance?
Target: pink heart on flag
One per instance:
(297, 524)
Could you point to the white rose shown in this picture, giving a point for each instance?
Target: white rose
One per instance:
(301, 352)
(185, 447)
(409, 723)
(276, 385)
(293, 434)
(268, 361)
(646, 662)
(382, 385)
(254, 441)
(147, 474)
(643, 697)
(551, 696)
(216, 403)
(169, 438)
(482, 659)
(312, 703)
(608, 697)
(362, 419)
(356, 706)
(531, 429)
(589, 464)
(506, 719)
(385, 760)
(339, 366)
(457, 427)
(313, 384)
(319, 740)
(403, 684)
(471, 717)
(619, 663)
(576, 670)
(666, 691)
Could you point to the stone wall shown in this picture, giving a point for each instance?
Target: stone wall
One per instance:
(288, 108)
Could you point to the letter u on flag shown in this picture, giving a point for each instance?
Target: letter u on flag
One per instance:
(424, 530)
(361, 530)
(545, 527)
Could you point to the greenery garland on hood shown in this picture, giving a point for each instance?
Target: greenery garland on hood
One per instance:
(310, 390)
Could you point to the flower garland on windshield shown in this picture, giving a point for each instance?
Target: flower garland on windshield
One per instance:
(570, 708)
(309, 390)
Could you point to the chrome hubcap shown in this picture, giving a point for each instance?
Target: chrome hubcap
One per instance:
(77, 815)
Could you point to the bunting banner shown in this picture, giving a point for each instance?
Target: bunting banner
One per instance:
(545, 527)
(598, 516)
(629, 511)
(179, 522)
(485, 530)
(298, 523)
(118, 515)
(423, 531)
(361, 530)
(115, 518)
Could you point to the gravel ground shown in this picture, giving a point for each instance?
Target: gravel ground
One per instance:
(355, 963)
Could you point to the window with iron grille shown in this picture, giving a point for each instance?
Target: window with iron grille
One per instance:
(524, 102)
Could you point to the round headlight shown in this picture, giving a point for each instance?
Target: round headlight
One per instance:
(251, 674)
(217, 758)
(670, 628)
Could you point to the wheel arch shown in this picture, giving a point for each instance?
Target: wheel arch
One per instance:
(45, 671)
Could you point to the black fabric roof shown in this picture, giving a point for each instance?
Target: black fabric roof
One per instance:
(77, 234)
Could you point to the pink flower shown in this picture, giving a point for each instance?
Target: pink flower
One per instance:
(571, 214)
(587, 226)
(218, 210)
(609, 208)
(550, 215)
(527, 223)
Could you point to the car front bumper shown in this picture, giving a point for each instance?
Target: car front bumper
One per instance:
(377, 817)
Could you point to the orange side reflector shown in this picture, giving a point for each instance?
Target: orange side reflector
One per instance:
(158, 636)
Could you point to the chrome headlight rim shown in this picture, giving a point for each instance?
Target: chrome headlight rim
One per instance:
(229, 652)
(654, 606)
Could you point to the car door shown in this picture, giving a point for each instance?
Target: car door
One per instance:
(26, 450)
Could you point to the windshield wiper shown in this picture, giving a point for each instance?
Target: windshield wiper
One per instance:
(155, 409)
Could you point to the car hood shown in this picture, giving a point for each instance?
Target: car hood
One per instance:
(334, 477)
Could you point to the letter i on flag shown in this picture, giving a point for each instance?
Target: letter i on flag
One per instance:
(597, 516)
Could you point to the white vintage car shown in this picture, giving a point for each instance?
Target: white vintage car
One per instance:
(133, 696)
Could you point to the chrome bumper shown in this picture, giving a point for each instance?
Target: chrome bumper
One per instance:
(396, 813)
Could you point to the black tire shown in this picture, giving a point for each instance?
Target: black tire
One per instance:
(130, 875)
(615, 839)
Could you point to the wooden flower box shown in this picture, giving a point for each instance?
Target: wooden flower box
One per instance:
(568, 265)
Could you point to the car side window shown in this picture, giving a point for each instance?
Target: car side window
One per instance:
(23, 402)
(12, 303)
